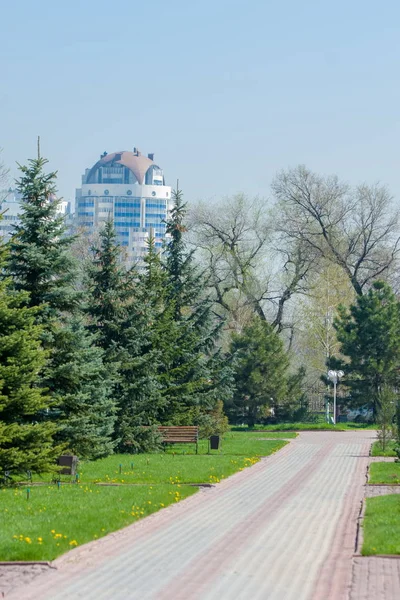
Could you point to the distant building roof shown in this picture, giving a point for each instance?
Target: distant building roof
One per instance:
(134, 161)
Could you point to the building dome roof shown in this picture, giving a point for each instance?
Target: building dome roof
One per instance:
(133, 161)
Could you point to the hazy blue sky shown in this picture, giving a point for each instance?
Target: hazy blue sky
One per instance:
(225, 93)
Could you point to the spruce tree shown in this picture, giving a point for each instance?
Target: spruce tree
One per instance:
(120, 324)
(26, 440)
(80, 385)
(261, 365)
(109, 290)
(39, 261)
(199, 374)
(185, 280)
(145, 342)
(369, 333)
(41, 264)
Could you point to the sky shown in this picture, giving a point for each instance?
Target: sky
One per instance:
(225, 93)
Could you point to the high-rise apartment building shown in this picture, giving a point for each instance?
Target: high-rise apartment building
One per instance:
(10, 207)
(130, 189)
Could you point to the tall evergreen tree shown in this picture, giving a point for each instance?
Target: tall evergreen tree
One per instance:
(199, 374)
(109, 290)
(26, 443)
(184, 279)
(80, 385)
(119, 322)
(261, 366)
(369, 333)
(146, 340)
(39, 261)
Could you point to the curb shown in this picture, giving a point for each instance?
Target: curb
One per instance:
(25, 563)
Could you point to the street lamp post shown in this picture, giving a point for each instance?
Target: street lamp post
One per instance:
(334, 376)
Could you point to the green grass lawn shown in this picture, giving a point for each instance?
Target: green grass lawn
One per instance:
(309, 427)
(56, 519)
(389, 450)
(237, 452)
(266, 433)
(382, 525)
(384, 472)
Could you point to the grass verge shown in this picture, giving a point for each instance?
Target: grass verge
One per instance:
(181, 464)
(54, 520)
(376, 449)
(382, 525)
(384, 472)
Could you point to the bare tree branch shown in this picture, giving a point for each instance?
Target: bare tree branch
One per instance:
(355, 229)
(4, 179)
(250, 267)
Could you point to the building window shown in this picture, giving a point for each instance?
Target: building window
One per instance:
(151, 215)
(106, 192)
(153, 193)
(126, 224)
(129, 193)
(127, 214)
(127, 205)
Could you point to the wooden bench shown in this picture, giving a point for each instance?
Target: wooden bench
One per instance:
(180, 435)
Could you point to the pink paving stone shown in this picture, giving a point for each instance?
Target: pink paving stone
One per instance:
(372, 491)
(375, 578)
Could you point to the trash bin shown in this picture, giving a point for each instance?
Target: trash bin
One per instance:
(69, 464)
(214, 442)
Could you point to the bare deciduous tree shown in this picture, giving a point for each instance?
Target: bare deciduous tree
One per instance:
(356, 229)
(233, 236)
(250, 268)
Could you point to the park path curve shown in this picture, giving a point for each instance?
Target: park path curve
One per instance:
(283, 529)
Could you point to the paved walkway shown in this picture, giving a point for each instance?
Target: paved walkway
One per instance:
(283, 529)
(375, 578)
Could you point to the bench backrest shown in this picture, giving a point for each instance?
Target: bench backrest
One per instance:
(182, 433)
